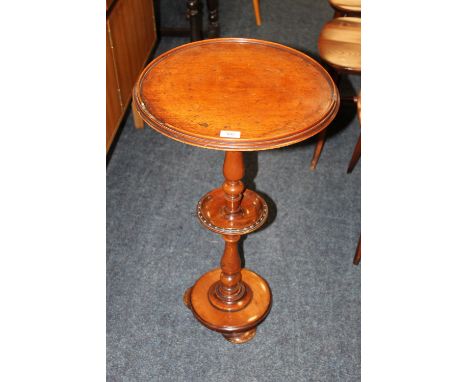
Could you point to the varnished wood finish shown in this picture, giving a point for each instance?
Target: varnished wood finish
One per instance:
(256, 7)
(357, 149)
(229, 304)
(339, 44)
(350, 8)
(270, 94)
(233, 325)
(230, 293)
(109, 4)
(318, 149)
(356, 155)
(139, 124)
(113, 101)
(133, 35)
(231, 209)
(131, 32)
(358, 104)
(357, 256)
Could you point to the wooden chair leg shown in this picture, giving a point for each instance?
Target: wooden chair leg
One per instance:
(213, 22)
(256, 7)
(338, 14)
(356, 155)
(194, 16)
(357, 256)
(318, 149)
(137, 120)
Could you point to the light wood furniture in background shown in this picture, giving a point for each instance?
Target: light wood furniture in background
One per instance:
(350, 8)
(339, 46)
(357, 149)
(357, 256)
(247, 95)
(256, 7)
(130, 38)
(355, 157)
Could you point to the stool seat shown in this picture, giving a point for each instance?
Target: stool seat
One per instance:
(340, 43)
(238, 94)
(346, 5)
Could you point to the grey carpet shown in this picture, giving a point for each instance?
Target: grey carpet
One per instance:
(156, 248)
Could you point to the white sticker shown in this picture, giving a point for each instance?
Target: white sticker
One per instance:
(229, 134)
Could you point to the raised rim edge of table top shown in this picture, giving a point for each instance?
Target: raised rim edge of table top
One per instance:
(232, 144)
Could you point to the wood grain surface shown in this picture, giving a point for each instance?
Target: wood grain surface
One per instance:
(133, 34)
(114, 105)
(256, 7)
(231, 322)
(130, 38)
(267, 94)
(346, 5)
(339, 43)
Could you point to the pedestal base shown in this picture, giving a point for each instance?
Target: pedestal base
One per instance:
(236, 327)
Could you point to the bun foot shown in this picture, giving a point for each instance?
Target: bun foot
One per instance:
(242, 337)
(236, 326)
(187, 297)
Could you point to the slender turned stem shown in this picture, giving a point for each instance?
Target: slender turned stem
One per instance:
(231, 287)
(233, 187)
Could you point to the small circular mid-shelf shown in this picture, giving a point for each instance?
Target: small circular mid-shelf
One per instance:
(236, 94)
(211, 213)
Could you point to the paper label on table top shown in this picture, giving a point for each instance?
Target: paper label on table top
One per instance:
(229, 134)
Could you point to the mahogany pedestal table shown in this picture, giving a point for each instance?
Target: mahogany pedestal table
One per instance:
(238, 95)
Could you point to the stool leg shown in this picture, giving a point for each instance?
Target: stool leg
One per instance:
(321, 137)
(356, 155)
(213, 25)
(137, 120)
(338, 14)
(256, 7)
(318, 149)
(357, 256)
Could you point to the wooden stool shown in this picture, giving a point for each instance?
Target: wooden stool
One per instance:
(357, 149)
(339, 46)
(247, 95)
(350, 8)
(256, 7)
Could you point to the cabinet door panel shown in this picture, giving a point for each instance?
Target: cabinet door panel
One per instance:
(133, 33)
(114, 107)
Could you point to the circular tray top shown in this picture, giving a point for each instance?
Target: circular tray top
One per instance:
(236, 94)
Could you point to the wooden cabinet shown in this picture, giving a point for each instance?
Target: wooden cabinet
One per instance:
(130, 38)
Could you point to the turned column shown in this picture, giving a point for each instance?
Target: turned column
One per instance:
(233, 187)
(230, 293)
